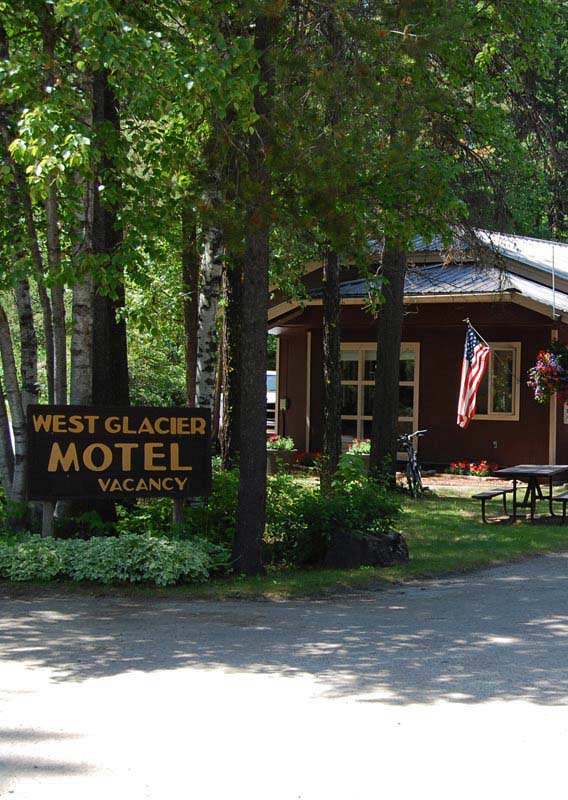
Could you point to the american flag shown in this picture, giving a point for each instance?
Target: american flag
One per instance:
(475, 358)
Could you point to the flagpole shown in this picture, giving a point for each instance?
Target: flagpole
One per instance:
(476, 331)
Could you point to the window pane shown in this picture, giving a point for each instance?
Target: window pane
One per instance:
(503, 381)
(368, 394)
(407, 365)
(406, 401)
(348, 430)
(367, 428)
(483, 394)
(370, 365)
(349, 365)
(404, 427)
(349, 400)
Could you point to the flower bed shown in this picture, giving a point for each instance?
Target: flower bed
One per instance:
(276, 442)
(360, 447)
(481, 470)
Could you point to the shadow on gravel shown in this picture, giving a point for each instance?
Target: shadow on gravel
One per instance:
(499, 634)
(14, 767)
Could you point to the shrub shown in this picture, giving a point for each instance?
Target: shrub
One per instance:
(459, 468)
(483, 469)
(360, 446)
(129, 558)
(215, 517)
(305, 459)
(276, 442)
(304, 529)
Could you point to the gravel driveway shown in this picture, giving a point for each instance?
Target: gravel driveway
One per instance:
(454, 688)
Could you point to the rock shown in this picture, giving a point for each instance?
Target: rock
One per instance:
(352, 549)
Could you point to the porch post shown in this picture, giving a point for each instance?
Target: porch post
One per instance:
(277, 394)
(308, 385)
(553, 421)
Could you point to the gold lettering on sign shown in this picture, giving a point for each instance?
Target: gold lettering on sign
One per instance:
(112, 425)
(174, 459)
(65, 461)
(76, 425)
(145, 426)
(42, 422)
(150, 455)
(198, 426)
(88, 457)
(126, 448)
(168, 428)
(59, 423)
(91, 419)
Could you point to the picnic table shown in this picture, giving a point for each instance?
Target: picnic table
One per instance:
(532, 475)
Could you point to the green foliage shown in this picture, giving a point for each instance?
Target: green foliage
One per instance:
(215, 517)
(361, 446)
(300, 531)
(130, 558)
(276, 442)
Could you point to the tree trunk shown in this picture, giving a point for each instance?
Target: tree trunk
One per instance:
(110, 357)
(42, 291)
(82, 343)
(252, 480)
(19, 193)
(218, 390)
(389, 334)
(28, 343)
(251, 517)
(207, 339)
(110, 360)
(57, 298)
(6, 447)
(19, 482)
(231, 425)
(190, 287)
(331, 374)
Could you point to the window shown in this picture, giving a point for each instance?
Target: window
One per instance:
(358, 363)
(498, 395)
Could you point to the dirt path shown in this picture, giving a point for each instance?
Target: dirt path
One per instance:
(455, 688)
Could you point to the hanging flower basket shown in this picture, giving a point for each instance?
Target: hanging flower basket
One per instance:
(549, 375)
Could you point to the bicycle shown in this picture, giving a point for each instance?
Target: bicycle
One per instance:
(413, 473)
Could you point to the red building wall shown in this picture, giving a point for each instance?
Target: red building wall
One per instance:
(440, 330)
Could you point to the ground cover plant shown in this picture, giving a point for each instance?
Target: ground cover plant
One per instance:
(130, 558)
(444, 533)
(142, 546)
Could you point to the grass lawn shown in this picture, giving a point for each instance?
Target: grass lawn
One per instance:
(444, 534)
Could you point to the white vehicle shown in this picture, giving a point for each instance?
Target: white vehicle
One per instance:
(270, 401)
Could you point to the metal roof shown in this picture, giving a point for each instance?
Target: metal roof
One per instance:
(536, 253)
(460, 279)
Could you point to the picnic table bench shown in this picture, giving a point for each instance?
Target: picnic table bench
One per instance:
(531, 475)
(490, 495)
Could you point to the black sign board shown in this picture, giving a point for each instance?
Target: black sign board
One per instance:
(88, 452)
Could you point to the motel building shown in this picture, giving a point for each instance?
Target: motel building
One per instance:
(514, 290)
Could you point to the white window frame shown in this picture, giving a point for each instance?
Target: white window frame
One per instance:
(505, 416)
(362, 348)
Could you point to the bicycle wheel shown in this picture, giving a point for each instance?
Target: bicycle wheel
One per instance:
(418, 474)
(414, 479)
